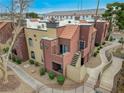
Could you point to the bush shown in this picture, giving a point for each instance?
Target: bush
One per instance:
(42, 71)
(61, 79)
(97, 51)
(97, 44)
(101, 47)
(13, 58)
(18, 61)
(95, 54)
(111, 38)
(103, 43)
(31, 61)
(51, 75)
(37, 63)
(6, 49)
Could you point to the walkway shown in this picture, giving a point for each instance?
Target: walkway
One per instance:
(35, 84)
(108, 76)
(94, 72)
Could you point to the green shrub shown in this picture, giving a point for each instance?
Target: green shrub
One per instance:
(18, 61)
(97, 44)
(31, 61)
(51, 75)
(42, 71)
(95, 54)
(103, 43)
(6, 49)
(13, 58)
(97, 51)
(101, 47)
(111, 38)
(37, 63)
(61, 79)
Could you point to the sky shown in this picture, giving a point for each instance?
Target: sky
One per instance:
(44, 6)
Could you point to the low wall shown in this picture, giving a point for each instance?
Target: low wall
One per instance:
(109, 57)
(76, 74)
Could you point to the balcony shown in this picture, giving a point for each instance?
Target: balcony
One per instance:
(59, 57)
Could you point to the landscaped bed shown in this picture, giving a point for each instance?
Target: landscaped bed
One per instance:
(48, 78)
(119, 52)
(95, 59)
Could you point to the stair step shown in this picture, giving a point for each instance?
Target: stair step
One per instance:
(74, 59)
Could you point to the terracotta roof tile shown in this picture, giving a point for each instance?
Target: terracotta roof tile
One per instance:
(69, 31)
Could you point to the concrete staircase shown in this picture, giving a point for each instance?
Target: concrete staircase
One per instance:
(75, 58)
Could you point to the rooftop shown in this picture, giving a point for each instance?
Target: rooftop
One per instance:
(51, 32)
(69, 31)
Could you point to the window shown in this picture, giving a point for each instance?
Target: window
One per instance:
(43, 26)
(69, 21)
(32, 54)
(38, 27)
(63, 49)
(57, 67)
(82, 44)
(30, 42)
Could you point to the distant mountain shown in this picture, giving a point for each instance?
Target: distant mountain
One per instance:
(87, 11)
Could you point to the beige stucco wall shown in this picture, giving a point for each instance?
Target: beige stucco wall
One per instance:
(29, 33)
(76, 74)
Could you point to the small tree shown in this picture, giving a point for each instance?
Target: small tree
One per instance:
(121, 41)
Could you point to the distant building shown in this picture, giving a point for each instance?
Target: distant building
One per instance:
(83, 14)
(35, 24)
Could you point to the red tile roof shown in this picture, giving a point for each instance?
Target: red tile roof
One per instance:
(69, 31)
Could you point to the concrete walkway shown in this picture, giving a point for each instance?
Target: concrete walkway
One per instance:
(108, 76)
(35, 84)
(94, 72)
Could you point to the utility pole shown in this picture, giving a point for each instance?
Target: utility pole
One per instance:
(12, 10)
(96, 15)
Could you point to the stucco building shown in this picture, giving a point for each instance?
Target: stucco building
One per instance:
(83, 14)
(20, 47)
(6, 30)
(70, 50)
(102, 27)
(33, 38)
